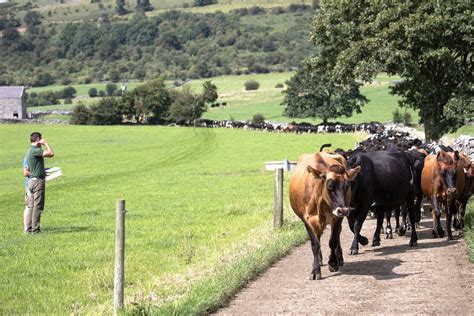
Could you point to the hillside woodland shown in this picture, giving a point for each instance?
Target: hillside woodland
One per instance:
(173, 44)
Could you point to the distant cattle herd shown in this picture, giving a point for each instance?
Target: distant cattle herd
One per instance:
(388, 172)
(301, 128)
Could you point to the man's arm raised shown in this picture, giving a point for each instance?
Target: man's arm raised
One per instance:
(49, 151)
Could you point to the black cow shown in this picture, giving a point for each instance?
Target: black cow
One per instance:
(384, 183)
(417, 160)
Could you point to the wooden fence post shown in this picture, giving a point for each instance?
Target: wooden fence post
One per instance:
(278, 199)
(119, 276)
(280, 168)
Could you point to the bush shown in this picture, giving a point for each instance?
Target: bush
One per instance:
(81, 115)
(106, 112)
(92, 92)
(279, 85)
(397, 117)
(68, 101)
(258, 119)
(101, 93)
(110, 88)
(407, 119)
(67, 92)
(251, 85)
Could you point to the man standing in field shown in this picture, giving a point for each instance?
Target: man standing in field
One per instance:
(36, 181)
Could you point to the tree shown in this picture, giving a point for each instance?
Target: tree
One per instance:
(110, 89)
(106, 112)
(209, 93)
(120, 7)
(151, 98)
(92, 92)
(201, 3)
(186, 106)
(32, 20)
(427, 43)
(310, 94)
(251, 85)
(81, 115)
(144, 5)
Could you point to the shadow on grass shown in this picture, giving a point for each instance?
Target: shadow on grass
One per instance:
(70, 229)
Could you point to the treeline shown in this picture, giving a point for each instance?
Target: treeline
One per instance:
(149, 103)
(174, 44)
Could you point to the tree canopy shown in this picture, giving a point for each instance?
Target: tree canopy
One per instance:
(312, 94)
(428, 44)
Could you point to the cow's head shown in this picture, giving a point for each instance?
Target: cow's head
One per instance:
(335, 185)
(447, 166)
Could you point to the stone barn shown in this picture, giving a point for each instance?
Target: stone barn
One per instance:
(13, 103)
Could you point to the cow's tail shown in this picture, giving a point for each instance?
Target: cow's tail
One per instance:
(324, 146)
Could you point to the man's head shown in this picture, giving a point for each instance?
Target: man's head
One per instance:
(35, 137)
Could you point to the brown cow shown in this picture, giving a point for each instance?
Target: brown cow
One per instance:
(320, 195)
(465, 169)
(438, 182)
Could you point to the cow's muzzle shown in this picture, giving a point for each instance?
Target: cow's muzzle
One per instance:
(342, 211)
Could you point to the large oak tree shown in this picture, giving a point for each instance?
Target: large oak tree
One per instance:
(429, 44)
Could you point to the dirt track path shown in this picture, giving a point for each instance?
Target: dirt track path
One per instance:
(434, 278)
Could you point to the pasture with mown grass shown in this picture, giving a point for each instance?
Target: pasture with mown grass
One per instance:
(198, 222)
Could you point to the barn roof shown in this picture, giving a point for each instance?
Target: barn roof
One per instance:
(11, 92)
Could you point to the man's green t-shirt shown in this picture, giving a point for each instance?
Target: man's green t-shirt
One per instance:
(35, 160)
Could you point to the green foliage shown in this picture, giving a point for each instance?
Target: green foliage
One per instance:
(151, 98)
(313, 94)
(251, 85)
(32, 20)
(110, 89)
(397, 116)
(202, 3)
(427, 43)
(92, 92)
(279, 85)
(81, 115)
(176, 44)
(120, 7)
(258, 119)
(42, 98)
(407, 118)
(106, 112)
(186, 106)
(209, 94)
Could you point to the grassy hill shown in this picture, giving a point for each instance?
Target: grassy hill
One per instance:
(79, 10)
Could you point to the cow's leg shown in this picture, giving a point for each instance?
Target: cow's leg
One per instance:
(436, 213)
(316, 248)
(376, 239)
(335, 258)
(419, 201)
(450, 211)
(397, 219)
(358, 238)
(364, 241)
(388, 230)
(411, 213)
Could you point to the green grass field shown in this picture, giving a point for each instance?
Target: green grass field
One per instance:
(199, 210)
(242, 105)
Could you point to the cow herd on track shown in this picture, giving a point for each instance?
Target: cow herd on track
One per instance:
(389, 172)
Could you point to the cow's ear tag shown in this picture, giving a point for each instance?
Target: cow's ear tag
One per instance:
(316, 173)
